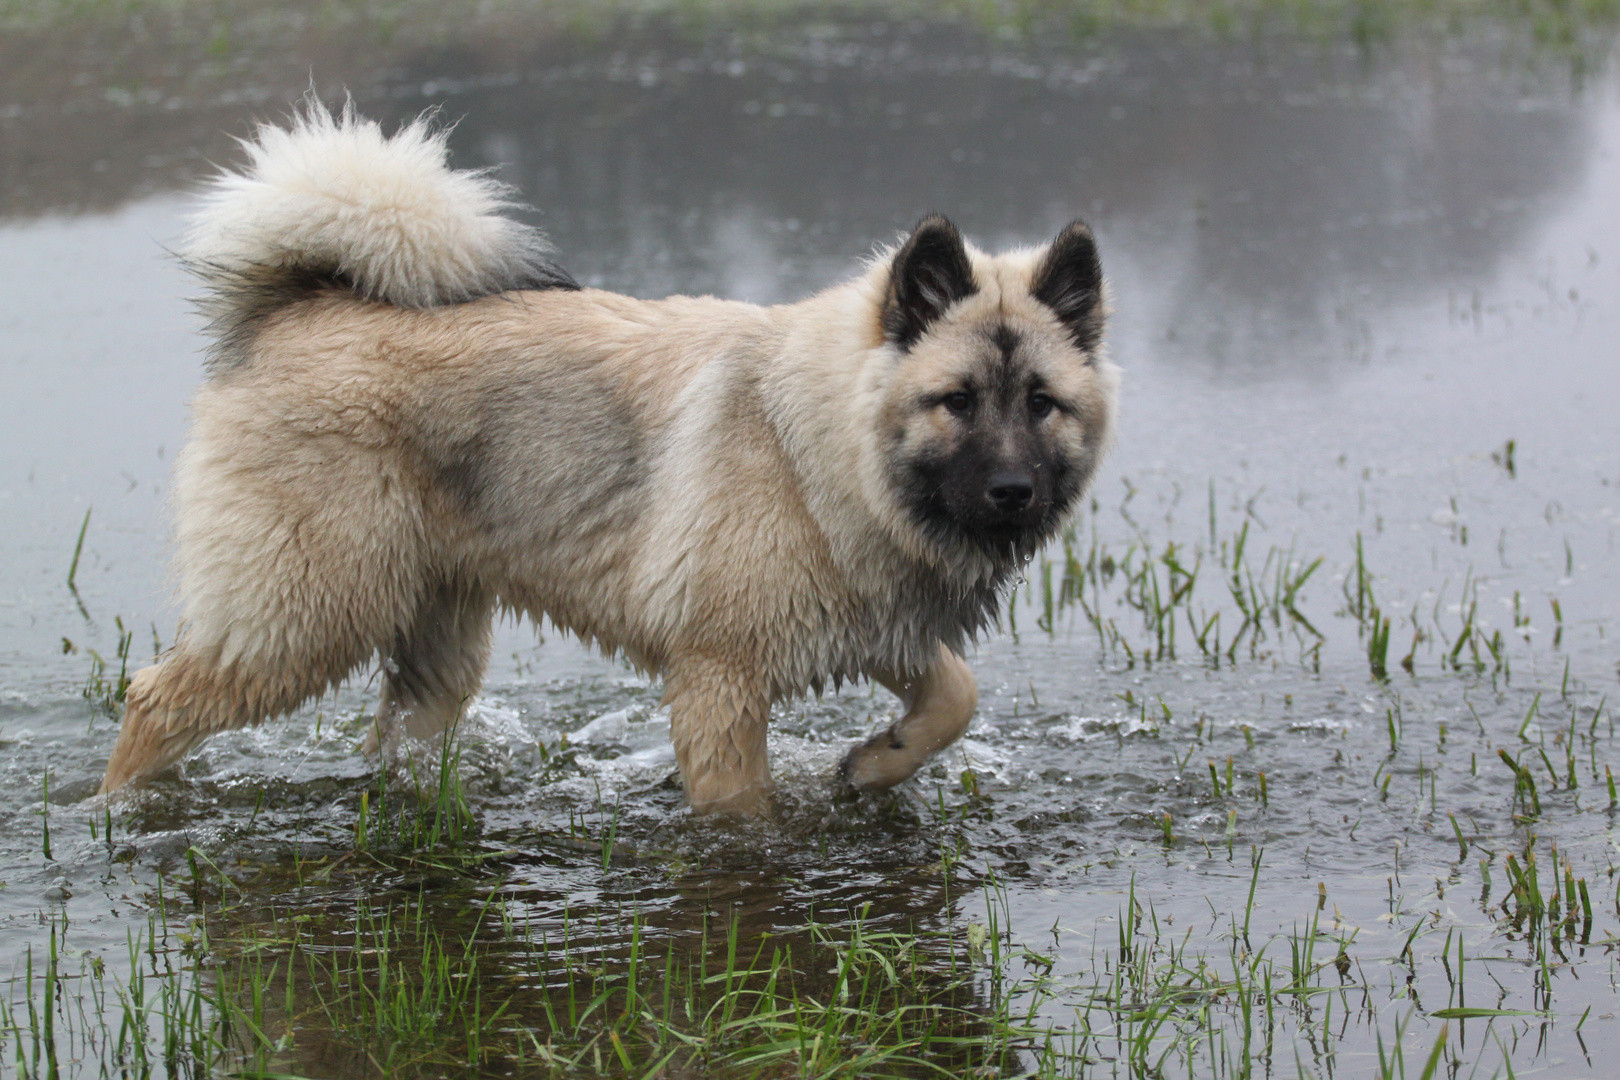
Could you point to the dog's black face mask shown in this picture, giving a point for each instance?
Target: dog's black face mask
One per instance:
(1002, 425)
(999, 481)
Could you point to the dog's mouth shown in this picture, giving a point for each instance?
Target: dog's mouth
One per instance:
(1020, 532)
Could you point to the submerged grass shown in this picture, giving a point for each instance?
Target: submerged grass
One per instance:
(403, 986)
(391, 991)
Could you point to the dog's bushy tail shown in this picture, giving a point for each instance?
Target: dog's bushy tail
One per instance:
(329, 200)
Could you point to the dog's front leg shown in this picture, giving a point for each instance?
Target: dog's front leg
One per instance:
(939, 705)
(717, 719)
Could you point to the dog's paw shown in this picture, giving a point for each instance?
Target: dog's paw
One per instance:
(878, 763)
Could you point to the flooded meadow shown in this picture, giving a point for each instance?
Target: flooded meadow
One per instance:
(1294, 758)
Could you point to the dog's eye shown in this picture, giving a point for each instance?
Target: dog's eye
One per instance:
(960, 403)
(1040, 404)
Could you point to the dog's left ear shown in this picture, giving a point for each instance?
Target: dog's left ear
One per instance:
(1069, 281)
(929, 274)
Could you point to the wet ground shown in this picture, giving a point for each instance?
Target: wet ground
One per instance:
(1296, 751)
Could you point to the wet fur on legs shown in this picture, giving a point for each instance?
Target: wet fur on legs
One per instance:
(938, 704)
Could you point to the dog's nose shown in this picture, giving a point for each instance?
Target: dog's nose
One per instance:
(1010, 492)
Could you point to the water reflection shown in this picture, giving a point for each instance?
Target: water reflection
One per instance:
(1261, 195)
(1260, 187)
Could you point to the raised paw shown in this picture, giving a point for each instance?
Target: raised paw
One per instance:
(880, 762)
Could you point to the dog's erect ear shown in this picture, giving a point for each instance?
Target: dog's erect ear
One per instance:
(928, 275)
(1069, 281)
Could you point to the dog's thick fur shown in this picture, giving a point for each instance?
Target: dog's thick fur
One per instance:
(413, 419)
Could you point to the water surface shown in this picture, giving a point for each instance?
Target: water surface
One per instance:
(1366, 294)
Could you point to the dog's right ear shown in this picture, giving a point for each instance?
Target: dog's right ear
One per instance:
(929, 274)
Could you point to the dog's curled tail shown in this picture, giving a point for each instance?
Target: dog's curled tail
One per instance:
(329, 200)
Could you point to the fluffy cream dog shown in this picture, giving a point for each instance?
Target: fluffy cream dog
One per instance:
(413, 418)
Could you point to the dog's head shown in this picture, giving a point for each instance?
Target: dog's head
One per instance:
(1000, 403)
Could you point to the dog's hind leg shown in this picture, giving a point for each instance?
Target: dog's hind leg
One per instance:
(717, 720)
(299, 558)
(195, 692)
(435, 666)
(939, 705)
(436, 662)
(158, 729)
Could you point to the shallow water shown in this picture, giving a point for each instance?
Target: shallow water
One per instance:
(1365, 295)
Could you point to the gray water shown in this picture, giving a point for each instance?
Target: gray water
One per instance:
(1365, 293)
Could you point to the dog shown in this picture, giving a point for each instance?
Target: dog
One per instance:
(413, 418)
